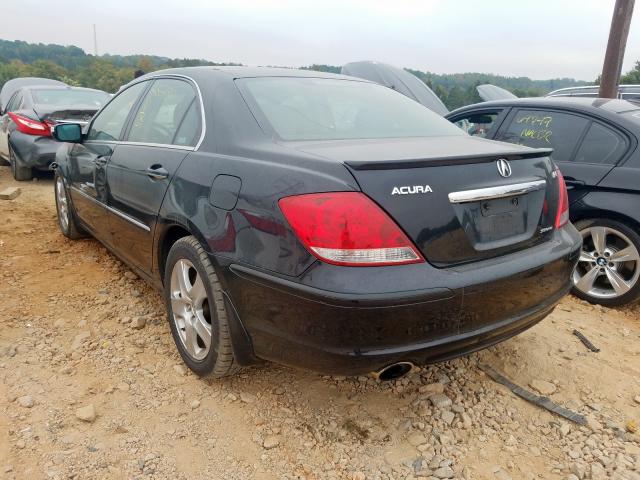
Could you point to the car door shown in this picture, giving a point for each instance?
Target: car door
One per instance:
(482, 122)
(87, 161)
(561, 130)
(13, 104)
(165, 128)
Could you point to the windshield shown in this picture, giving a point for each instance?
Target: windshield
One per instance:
(69, 97)
(331, 109)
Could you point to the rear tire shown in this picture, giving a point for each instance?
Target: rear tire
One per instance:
(21, 174)
(66, 216)
(196, 310)
(605, 274)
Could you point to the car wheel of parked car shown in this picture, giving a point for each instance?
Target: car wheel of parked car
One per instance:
(66, 218)
(19, 173)
(196, 309)
(608, 272)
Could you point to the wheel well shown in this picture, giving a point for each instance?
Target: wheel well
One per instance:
(610, 215)
(172, 235)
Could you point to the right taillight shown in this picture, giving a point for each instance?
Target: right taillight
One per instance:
(562, 215)
(30, 126)
(348, 228)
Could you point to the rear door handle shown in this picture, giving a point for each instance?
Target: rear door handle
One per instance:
(156, 172)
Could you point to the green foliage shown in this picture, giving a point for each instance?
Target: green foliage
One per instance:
(322, 68)
(75, 67)
(459, 89)
(108, 72)
(632, 76)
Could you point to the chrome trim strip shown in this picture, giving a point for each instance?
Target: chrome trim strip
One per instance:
(501, 191)
(128, 218)
(141, 144)
(113, 210)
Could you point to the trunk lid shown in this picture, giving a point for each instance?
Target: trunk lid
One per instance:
(449, 196)
(57, 113)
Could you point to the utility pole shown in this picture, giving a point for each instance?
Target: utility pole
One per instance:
(614, 56)
(95, 41)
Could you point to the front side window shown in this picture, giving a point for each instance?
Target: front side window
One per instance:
(330, 109)
(545, 129)
(168, 106)
(110, 122)
(477, 124)
(601, 146)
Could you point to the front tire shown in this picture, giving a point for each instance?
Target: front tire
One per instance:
(66, 217)
(608, 272)
(196, 310)
(21, 174)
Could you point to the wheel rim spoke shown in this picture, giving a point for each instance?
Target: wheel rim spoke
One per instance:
(586, 257)
(625, 255)
(197, 293)
(203, 329)
(617, 282)
(179, 304)
(588, 279)
(190, 338)
(599, 236)
(181, 272)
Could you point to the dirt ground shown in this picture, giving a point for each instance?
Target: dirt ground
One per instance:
(91, 387)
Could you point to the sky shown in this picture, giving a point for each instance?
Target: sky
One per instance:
(539, 39)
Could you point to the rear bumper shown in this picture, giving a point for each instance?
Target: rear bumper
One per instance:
(33, 151)
(356, 320)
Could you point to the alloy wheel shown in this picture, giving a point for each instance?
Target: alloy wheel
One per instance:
(609, 264)
(63, 205)
(190, 308)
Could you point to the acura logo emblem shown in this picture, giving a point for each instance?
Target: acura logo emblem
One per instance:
(504, 169)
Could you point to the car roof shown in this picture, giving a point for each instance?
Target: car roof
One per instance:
(62, 87)
(15, 84)
(245, 72)
(626, 88)
(603, 106)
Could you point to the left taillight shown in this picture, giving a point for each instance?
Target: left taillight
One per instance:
(348, 228)
(29, 126)
(562, 215)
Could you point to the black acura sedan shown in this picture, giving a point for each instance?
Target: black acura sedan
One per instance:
(595, 145)
(316, 220)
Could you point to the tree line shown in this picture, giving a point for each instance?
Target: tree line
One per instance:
(74, 66)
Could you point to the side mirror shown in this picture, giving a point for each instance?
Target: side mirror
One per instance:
(68, 132)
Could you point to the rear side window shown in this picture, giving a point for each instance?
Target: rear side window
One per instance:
(167, 106)
(601, 145)
(189, 130)
(477, 124)
(109, 123)
(14, 103)
(545, 129)
(70, 97)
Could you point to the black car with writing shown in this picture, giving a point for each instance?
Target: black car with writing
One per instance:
(595, 145)
(316, 220)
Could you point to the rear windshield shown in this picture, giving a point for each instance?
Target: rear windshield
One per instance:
(331, 109)
(69, 97)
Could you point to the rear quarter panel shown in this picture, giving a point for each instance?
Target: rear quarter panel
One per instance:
(254, 232)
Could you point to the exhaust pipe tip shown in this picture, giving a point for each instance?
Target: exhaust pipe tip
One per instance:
(393, 371)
